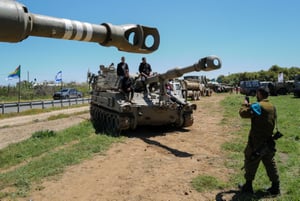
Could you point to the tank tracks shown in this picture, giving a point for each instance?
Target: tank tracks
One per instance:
(105, 121)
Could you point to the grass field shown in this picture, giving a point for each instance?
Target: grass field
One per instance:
(47, 153)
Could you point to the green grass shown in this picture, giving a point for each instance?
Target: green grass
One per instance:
(288, 147)
(47, 153)
(61, 116)
(204, 183)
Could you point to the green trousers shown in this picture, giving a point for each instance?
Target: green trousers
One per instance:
(252, 163)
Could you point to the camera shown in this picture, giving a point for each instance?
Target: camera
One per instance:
(277, 135)
(247, 100)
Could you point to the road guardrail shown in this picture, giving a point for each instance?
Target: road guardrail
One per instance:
(22, 106)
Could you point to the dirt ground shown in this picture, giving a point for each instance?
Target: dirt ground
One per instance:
(16, 129)
(150, 165)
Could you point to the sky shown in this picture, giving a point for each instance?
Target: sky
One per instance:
(247, 36)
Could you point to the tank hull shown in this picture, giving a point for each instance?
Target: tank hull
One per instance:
(111, 114)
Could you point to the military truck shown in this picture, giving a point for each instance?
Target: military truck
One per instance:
(278, 88)
(195, 86)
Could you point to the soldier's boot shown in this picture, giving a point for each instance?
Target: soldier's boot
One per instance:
(247, 187)
(274, 189)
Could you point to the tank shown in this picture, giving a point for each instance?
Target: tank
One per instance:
(111, 113)
(17, 23)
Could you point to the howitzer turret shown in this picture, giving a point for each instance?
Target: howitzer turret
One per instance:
(205, 64)
(17, 23)
(112, 112)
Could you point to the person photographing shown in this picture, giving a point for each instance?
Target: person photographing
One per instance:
(261, 143)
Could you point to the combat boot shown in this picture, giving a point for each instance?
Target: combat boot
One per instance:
(247, 187)
(274, 189)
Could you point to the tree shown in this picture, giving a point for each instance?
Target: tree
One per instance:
(269, 75)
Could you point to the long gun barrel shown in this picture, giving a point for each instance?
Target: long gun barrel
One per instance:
(205, 64)
(17, 23)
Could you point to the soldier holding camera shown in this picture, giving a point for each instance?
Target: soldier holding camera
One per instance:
(261, 144)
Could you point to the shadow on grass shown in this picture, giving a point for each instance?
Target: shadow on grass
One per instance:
(236, 195)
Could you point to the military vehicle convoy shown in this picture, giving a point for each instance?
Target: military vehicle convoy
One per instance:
(111, 113)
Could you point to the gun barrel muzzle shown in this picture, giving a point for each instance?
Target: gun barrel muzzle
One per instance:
(17, 23)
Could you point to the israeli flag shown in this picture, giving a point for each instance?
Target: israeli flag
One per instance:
(58, 77)
(280, 77)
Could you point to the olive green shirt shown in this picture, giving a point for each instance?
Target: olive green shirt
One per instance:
(263, 117)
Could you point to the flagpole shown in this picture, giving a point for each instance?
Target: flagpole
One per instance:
(19, 93)
(61, 85)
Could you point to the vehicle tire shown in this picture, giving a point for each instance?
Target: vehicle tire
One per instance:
(282, 91)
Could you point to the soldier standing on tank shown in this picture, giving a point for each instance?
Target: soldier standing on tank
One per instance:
(260, 145)
(145, 68)
(145, 71)
(121, 68)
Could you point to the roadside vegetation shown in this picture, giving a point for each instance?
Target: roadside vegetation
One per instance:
(287, 155)
(29, 91)
(269, 75)
(45, 154)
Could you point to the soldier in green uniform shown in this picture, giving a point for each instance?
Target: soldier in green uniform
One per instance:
(261, 145)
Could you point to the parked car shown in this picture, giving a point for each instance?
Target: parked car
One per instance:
(67, 93)
(249, 87)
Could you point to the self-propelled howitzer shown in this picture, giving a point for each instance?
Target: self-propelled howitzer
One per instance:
(17, 23)
(111, 113)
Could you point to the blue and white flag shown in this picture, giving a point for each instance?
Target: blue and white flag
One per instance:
(280, 77)
(58, 77)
